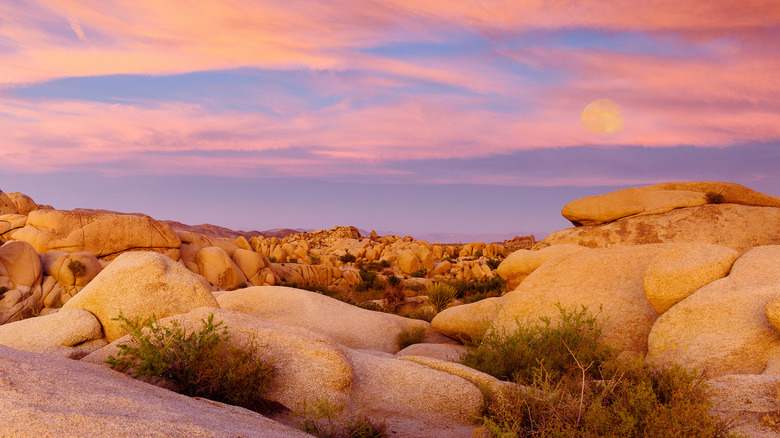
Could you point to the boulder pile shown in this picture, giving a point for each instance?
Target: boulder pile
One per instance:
(683, 273)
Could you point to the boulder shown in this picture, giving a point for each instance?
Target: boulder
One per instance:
(140, 284)
(71, 271)
(215, 264)
(21, 293)
(346, 324)
(7, 205)
(468, 320)
(20, 264)
(251, 265)
(24, 204)
(519, 264)
(599, 209)
(607, 281)
(681, 271)
(385, 386)
(44, 395)
(738, 227)
(10, 223)
(660, 198)
(722, 328)
(408, 262)
(67, 333)
(102, 234)
(444, 352)
(306, 365)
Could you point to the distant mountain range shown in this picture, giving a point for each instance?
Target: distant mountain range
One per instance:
(217, 231)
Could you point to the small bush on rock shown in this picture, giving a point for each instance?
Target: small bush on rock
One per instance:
(412, 336)
(77, 268)
(440, 295)
(203, 364)
(714, 198)
(321, 419)
(532, 348)
(347, 258)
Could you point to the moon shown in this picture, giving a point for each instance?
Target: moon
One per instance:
(602, 116)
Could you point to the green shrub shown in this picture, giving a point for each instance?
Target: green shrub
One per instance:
(631, 399)
(714, 198)
(493, 263)
(315, 259)
(423, 313)
(292, 260)
(414, 335)
(394, 281)
(532, 348)
(440, 295)
(77, 268)
(321, 419)
(347, 258)
(475, 290)
(575, 387)
(478, 254)
(419, 273)
(272, 259)
(203, 364)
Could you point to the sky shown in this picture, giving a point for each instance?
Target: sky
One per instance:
(404, 116)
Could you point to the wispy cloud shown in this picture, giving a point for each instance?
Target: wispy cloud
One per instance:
(362, 84)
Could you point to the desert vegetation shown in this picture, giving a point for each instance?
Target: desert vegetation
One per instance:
(570, 385)
(198, 364)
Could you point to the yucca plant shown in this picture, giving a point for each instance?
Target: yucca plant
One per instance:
(440, 295)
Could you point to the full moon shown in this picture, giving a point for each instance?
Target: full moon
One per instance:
(602, 116)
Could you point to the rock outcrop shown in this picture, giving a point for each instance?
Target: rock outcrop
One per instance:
(736, 226)
(44, 395)
(348, 325)
(20, 281)
(69, 333)
(660, 198)
(722, 328)
(140, 284)
(102, 234)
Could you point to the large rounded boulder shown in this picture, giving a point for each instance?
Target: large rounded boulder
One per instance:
(141, 284)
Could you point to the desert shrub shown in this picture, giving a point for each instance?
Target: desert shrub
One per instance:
(347, 258)
(478, 254)
(394, 297)
(574, 387)
(203, 364)
(272, 259)
(77, 268)
(475, 290)
(291, 260)
(714, 198)
(393, 280)
(423, 313)
(440, 295)
(376, 265)
(631, 399)
(493, 263)
(419, 273)
(532, 348)
(370, 305)
(315, 259)
(411, 336)
(321, 419)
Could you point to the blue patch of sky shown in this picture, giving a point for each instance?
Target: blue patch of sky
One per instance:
(241, 90)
